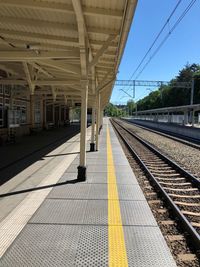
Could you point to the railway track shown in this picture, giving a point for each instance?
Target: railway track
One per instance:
(179, 189)
(179, 138)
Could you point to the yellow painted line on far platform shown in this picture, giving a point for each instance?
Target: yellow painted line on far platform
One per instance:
(117, 248)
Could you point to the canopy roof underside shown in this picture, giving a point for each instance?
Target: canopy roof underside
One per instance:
(54, 45)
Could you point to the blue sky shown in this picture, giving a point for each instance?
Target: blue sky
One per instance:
(183, 46)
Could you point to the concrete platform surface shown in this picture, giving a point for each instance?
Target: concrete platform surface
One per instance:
(104, 221)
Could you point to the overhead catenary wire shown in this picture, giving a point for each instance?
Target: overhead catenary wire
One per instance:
(180, 18)
(157, 37)
(155, 40)
(168, 34)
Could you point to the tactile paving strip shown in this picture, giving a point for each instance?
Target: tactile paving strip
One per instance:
(43, 245)
(92, 248)
(60, 211)
(146, 247)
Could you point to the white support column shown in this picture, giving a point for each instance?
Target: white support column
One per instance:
(41, 112)
(64, 115)
(83, 45)
(98, 120)
(32, 111)
(101, 118)
(82, 163)
(44, 114)
(59, 115)
(53, 113)
(92, 144)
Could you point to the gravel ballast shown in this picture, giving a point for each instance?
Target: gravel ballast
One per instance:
(187, 157)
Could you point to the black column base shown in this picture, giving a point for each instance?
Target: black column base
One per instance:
(100, 128)
(92, 147)
(81, 173)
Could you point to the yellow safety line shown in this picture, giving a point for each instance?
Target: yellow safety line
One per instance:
(117, 249)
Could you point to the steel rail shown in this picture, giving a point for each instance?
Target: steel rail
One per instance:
(182, 219)
(187, 175)
(195, 143)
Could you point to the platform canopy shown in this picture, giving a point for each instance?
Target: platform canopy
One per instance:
(53, 47)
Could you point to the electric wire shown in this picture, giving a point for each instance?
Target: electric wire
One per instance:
(168, 34)
(157, 37)
(155, 40)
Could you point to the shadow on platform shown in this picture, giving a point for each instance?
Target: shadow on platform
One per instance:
(39, 188)
(17, 157)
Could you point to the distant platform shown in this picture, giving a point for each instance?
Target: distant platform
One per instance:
(185, 131)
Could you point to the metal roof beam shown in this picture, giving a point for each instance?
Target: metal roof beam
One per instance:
(28, 78)
(61, 7)
(31, 37)
(8, 70)
(35, 55)
(38, 36)
(56, 82)
(11, 81)
(42, 24)
(102, 50)
(63, 66)
(42, 70)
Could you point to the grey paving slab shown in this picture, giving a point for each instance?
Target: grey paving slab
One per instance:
(130, 192)
(96, 212)
(136, 213)
(97, 168)
(71, 191)
(72, 168)
(56, 211)
(146, 247)
(126, 178)
(43, 245)
(125, 192)
(68, 177)
(92, 177)
(99, 178)
(92, 248)
(124, 170)
(98, 191)
(122, 162)
(94, 155)
(93, 161)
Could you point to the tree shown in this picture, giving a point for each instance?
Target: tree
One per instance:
(113, 111)
(174, 96)
(130, 106)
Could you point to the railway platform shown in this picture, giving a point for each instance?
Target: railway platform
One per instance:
(30, 148)
(104, 221)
